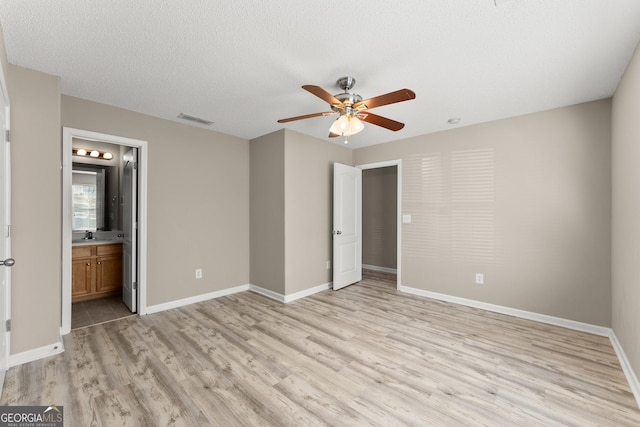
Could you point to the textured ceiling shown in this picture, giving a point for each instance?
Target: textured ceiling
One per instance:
(241, 63)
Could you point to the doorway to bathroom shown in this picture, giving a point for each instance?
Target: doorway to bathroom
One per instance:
(104, 228)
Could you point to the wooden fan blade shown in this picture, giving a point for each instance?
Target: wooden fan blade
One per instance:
(333, 135)
(386, 99)
(384, 122)
(306, 116)
(322, 94)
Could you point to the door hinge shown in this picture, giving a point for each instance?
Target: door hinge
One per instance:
(7, 135)
(8, 231)
(134, 286)
(8, 325)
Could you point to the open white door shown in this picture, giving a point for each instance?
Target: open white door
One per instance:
(5, 241)
(130, 228)
(347, 225)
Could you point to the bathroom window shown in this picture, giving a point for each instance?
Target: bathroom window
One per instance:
(87, 190)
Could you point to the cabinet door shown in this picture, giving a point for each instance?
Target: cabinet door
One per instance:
(108, 273)
(81, 277)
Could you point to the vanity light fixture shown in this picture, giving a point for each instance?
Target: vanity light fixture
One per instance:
(96, 154)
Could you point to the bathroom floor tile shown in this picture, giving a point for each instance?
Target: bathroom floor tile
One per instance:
(101, 310)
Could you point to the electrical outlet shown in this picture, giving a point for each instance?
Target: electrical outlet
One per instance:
(479, 279)
(328, 265)
(198, 273)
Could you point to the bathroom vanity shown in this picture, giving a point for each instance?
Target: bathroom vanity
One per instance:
(96, 270)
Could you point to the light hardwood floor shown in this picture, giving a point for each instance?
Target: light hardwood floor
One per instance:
(364, 355)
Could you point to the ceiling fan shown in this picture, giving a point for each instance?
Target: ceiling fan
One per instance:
(353, 110)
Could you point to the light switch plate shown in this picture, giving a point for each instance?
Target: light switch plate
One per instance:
(406, 219)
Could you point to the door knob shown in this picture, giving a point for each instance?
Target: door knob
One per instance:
(8, 262)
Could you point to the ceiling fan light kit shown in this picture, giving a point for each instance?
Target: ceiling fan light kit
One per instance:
(346, 125)
(353, 110)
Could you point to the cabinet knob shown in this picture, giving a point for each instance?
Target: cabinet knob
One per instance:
(99, 263)
(88, 264)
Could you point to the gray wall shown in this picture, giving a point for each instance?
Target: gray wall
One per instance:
(36, 149)
(379, 216)
(626, 212)
(309, 208)
(525, 200)
(267, 212)
(291, 210)
(198, 199)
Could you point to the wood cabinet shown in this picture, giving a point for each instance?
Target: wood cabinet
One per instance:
(96, 271)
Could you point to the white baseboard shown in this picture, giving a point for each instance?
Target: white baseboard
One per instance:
(291, 297)
(198, 298)
(378, 268)
(634, 384)
(307, 292)
(267, 293)
(626, 367)
(551, 320)
(35, 354)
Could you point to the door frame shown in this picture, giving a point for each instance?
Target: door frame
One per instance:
(67, 164)
(6, 215)
(398, 164)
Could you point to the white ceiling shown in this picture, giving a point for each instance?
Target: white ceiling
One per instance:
(242, 63)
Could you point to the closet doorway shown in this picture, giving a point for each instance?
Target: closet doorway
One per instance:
(381, 219)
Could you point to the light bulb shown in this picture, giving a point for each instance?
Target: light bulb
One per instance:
(346, 125)
(355, 125)
(95, 153)
(81, 152)
(107, 156)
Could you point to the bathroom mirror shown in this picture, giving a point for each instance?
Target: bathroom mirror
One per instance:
(94, 197)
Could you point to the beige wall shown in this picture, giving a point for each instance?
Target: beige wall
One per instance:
(626, 212)
(308, 208)
(3, 54)
(379, 217)
(36, 208)
(525, 201)
(198, 199)
(267, 212)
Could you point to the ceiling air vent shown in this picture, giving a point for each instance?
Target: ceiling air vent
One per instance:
(195, 119)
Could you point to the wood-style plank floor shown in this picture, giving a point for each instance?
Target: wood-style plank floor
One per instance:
(365, 355)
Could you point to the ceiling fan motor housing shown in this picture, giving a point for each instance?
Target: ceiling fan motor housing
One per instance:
(347, 100)
(346, 83)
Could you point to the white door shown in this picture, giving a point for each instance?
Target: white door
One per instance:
(347, 225)
(130, 229)
(5, 240)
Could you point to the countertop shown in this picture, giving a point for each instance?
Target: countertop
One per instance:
(92, 242)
